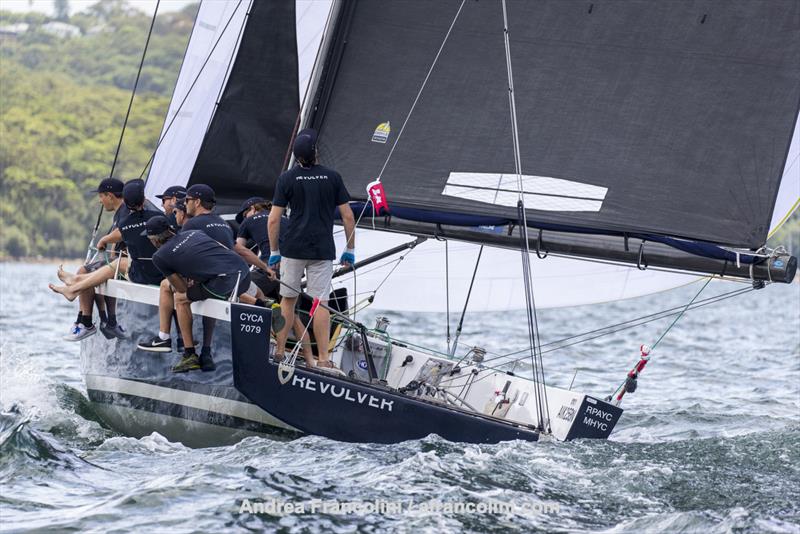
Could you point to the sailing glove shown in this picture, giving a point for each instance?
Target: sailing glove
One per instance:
(274, 257)
(348, 256)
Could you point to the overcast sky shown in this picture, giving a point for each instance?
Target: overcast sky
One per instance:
(46, 6)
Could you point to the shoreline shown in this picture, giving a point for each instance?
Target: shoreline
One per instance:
(40, 260)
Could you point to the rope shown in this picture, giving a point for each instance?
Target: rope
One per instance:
(708, 280)
(186, 96)
(626, 325)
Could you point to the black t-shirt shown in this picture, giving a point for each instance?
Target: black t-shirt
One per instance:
(173, 221)
(255, 228)
(213, 225)
(141, 250)
(193, 254)
(312, 194)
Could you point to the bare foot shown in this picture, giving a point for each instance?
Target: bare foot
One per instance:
(64, 276)
(63, 290)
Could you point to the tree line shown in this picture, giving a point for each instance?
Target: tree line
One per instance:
(61, 113)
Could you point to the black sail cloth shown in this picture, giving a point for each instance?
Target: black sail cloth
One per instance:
(679, 113)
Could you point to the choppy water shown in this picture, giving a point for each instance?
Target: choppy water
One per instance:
(709, 443)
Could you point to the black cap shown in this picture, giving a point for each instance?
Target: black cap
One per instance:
(246, 205)
(180, 204)
(109, 185)
(305, 144)
(156, 225)
(173, 191)
(201, 191)
(133, 193)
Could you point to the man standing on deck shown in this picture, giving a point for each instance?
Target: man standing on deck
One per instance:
(312, 193)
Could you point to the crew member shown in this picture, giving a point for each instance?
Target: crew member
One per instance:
(162, 342)
(200, 200)
(169, 198)
(137, 266)
(215, 271)
(252, 219)
(109, 194)
(312, 192)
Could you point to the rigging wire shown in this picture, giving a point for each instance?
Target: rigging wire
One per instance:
(124, 124)
(695, 306)
(189, 91)
(466, 302)
(631, 323)
(447, 289)
(542, 407)
(408, 116)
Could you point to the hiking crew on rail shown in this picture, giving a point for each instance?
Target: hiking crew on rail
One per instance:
(192, 254)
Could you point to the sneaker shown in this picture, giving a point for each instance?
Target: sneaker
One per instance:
(207, 362)
(278, 322)
(112, 332)
(105, 331)
(80, 332)
(68, 335)
(189, 362)
(156, 344)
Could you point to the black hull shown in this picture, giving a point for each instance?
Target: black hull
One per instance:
(345, 410)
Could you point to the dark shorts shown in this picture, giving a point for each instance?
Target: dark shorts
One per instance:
(92, 267)
(269, 287)
(218, 288)
(140, 276)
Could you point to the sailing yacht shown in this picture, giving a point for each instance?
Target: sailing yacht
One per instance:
(659, 140)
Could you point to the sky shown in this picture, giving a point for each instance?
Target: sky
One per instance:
(46, 6)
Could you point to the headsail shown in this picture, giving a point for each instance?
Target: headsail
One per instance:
(233, 119)
(671, 119)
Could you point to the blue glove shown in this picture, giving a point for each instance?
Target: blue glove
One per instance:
(348, 256)
(274, 258)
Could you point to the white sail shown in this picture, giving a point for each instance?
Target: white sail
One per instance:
(223, 21)
(789, 191)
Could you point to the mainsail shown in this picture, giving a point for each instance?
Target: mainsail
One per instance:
(449, 149)
(668, 119)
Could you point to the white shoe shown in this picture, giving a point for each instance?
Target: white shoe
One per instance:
(80, 332)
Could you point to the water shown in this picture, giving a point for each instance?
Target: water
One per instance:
(710, 442)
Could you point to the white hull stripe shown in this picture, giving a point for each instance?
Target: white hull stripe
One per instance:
(233, 408)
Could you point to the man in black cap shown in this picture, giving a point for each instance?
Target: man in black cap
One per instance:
(198, 267)
(138, 266)
(313, 193)
(200, 200)
(169, 199)
(109, 194)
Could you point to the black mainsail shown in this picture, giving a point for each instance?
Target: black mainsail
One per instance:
(668, 122)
